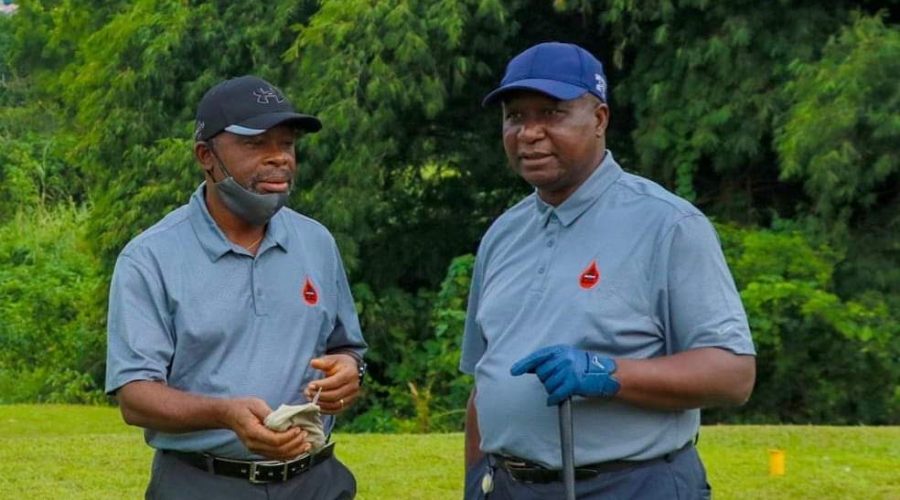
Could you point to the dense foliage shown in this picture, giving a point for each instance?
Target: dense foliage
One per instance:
(780, 121)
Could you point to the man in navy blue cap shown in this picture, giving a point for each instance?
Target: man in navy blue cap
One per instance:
(601, 287)
(233, 305)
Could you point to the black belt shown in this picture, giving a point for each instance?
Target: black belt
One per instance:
(265, 471)
(529, 472)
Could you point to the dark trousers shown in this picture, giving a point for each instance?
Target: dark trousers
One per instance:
(684, 478)
(173, 479)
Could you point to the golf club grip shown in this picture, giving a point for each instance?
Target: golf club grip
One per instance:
(567, 442)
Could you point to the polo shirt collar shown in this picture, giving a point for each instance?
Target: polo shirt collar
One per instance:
(585, 196)
(213, 240)
(277, 232)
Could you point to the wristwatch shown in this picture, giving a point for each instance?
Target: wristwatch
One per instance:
(360, 364)
(361, 370)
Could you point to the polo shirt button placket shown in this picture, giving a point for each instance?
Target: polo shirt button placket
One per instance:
(258, 294)
(550, 230)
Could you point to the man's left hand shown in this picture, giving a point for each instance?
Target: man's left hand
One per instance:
(566, 371)
(340, 387)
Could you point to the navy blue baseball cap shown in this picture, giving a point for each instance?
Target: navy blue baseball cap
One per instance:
(247, 105)
(561, 70)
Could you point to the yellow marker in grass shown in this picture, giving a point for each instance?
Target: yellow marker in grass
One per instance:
(776, 462)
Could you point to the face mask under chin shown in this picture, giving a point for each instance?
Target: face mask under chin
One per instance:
(253, 208)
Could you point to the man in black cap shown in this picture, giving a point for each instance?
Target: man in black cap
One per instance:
(233, 305)
(600, 286)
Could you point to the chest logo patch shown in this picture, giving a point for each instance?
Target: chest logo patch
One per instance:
(309, 293)
(590, 276)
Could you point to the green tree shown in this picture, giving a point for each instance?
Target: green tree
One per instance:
(839, 138)
(399, 158)
(703, 84)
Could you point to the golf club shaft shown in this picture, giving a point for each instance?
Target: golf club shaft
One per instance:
(567, 440)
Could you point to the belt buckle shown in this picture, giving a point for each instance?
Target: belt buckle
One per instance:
(253, 472)
(304, 462)
(518, 465)
(515, 467)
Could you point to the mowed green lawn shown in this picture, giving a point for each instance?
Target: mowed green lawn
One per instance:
(79, 452)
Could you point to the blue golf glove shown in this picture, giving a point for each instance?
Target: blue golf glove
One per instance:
(566, 371)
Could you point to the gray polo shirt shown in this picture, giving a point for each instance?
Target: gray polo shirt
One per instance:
(192, 309)
(622, 267)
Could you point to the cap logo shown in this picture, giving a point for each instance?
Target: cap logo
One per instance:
(310, 295)
(601, 84)
(590, 276)
(263, 96)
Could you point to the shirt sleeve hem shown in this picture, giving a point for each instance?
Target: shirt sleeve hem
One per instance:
(111, 389)
(737, 350)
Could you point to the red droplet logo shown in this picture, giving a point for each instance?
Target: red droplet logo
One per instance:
(590, 277)
(310, 295)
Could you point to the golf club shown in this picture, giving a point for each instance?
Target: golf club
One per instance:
(567, 442)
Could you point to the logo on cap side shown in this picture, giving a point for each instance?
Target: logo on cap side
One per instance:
(264, 95)
(601, 84)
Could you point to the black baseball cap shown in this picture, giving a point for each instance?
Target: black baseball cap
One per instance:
(247, 105)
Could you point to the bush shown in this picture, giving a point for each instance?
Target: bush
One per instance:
(52, 342)
(415, 384)
(818, 354)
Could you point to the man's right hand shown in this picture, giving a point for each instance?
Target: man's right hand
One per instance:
(566, 371)
(245, 417)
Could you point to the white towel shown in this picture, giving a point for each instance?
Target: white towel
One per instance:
(305, 416)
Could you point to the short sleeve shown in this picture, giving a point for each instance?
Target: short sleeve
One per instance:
(703, 307)
(347, 334)
(139, 328)
(473, 344)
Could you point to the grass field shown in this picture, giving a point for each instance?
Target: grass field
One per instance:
(80, 452)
